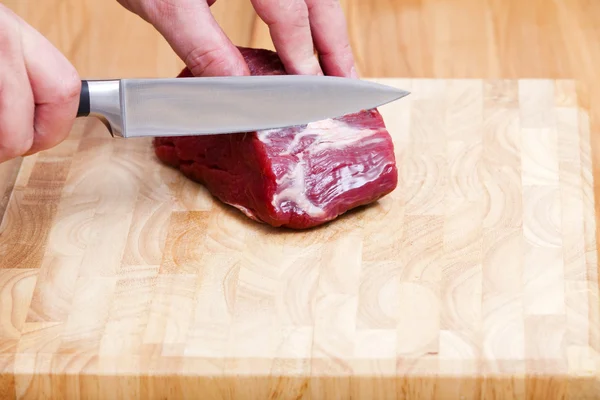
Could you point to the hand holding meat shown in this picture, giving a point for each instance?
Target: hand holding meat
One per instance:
(297, 27)
(39, 90)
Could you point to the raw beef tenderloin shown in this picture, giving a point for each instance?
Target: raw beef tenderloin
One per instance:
(297, 177)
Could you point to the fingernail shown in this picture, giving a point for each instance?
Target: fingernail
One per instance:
(353, 73)
(315, 68)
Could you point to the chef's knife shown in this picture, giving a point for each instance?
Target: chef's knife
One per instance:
(214, 105)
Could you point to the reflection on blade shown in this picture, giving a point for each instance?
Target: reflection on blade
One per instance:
(194, 106)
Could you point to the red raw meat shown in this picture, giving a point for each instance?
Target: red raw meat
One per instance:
(297, 177)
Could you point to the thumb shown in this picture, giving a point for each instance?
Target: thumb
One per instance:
(196, 37)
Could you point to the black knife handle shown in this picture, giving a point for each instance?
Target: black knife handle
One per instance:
(84, 100)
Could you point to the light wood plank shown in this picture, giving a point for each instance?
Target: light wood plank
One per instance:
(486, 270)
(105, 282)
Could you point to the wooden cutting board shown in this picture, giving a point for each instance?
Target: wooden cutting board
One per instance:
(476, 278)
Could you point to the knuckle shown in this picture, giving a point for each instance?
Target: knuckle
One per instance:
(299, 10)
(12, 148)
(159, 7)
(288, 12)
(295, 15)
(24, 146)
(324, 4)
(152, 11)
(158, 10)
(15, 140)
(200, 60)
(68, 87)
(16, 123)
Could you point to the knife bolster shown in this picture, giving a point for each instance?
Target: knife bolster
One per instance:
(104, 99)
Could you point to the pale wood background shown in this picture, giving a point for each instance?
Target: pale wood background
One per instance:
(406, 39)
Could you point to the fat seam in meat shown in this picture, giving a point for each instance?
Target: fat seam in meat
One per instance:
(298, 177)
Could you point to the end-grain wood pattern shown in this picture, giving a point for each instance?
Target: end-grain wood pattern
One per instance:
(475, 278)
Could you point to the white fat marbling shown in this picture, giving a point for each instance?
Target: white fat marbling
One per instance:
(328, 134)
(294, 191)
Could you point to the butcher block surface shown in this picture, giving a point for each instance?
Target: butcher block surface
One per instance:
(476, 278)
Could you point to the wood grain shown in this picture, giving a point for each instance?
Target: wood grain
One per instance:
(477, 278)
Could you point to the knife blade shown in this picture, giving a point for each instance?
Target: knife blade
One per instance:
(220, 105)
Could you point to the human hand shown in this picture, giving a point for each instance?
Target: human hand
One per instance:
(296, 27)
(39, 90)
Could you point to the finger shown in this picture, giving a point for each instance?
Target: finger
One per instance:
(55, 85)
(195, 36)
(290, 30)
(329, 30)
(16, 99)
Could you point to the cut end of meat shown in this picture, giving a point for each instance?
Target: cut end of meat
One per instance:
(298, 177)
